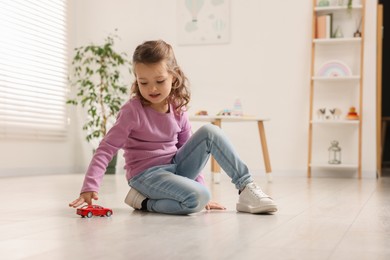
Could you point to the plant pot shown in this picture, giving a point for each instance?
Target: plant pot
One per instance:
(111, 167)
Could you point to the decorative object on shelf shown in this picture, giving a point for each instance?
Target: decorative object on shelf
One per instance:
(334, 153)
(357, 33)
(340, 2)
(201, 113)
(352, 114)
(321, 113)
(334, 68)
(338, 33)
(324, 26)
(335, 112)
(324, 3)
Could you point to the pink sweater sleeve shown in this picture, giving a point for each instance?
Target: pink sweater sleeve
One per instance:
(108, 147)
(185, 132)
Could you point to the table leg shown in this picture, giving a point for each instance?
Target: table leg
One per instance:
(264, 148)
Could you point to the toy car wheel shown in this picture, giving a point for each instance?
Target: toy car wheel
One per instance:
(89, 215)
(109, 213)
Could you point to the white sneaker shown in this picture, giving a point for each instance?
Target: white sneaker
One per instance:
(253, 200)
(134, 199)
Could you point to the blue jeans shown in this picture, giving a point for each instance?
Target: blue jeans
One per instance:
(172, 188)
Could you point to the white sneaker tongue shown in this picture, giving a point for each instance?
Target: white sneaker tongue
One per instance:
(257, 191)
(260, 194)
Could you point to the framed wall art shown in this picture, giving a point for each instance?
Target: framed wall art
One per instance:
(203, 22)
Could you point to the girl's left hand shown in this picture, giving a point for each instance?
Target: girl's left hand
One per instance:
(214, 205)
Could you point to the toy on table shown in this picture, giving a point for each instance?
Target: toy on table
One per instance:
(94, 210)
(201, 113)
(225, 112)
(352, 114)
(237, 108)
(235, 111)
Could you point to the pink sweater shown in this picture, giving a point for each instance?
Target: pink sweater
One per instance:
(148, 138)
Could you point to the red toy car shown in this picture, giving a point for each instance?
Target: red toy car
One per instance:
(93, 210)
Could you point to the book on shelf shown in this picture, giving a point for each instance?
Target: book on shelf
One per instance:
(324, 26)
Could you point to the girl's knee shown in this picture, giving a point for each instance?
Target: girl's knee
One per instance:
(209, 130)
(197, 200)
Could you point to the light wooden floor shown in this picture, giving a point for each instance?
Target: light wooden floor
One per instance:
(321, 218)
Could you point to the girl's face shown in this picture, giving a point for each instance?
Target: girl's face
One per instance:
(155, 84)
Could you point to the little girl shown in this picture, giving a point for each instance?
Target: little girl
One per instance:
(163, 160)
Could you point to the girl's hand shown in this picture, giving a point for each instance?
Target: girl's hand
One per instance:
(214, 205)
(84, 197)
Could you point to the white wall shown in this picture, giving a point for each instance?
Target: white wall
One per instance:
(369, 92)
(266, 65)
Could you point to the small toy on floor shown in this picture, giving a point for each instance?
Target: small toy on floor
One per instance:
(94, 210)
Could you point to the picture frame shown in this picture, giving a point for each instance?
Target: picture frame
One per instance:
(203, 22)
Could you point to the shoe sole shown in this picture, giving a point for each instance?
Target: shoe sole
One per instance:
(132, 198)
(256, 210)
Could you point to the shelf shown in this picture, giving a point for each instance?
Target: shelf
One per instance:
(335, 122)
(336, 81)
(337, 40)
(336, 8)
(343, 78)
(334, 166)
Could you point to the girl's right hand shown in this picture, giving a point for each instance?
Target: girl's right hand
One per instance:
(85, 197)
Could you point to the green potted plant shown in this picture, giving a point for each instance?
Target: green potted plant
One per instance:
(349, 4)
(98, 74)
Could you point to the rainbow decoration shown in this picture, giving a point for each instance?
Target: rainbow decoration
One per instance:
(334, 68)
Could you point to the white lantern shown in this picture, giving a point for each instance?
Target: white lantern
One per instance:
(334, 153)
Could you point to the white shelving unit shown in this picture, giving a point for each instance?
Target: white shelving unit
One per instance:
(334, 8)
(337, 40)
(345, 78)
(336, 166)
(336, 122)
(340, 91)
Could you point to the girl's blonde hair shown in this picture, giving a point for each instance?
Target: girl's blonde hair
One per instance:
(151, 52)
